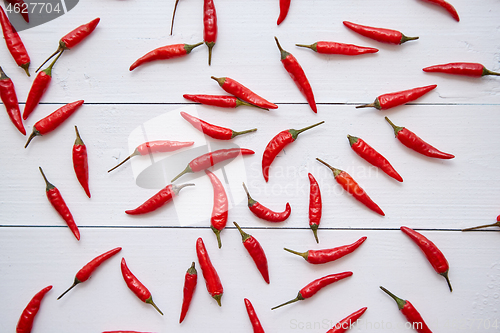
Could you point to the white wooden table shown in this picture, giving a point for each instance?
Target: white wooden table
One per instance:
(437, 197)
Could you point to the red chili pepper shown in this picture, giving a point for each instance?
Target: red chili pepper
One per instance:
(387, 101)
(213, 131)
(351, 187)
(252, 315)
(87, 270)
(212, 280)
(163, 53)
(485, 226)
(57, 201)
(315, 286)
(190, 281)
(237, 89)
(137, 287)
(446, 5)
(346, 323)
(173, 17)
(461, 68)
(297, 74)
(339, 48)
(373, 157)
(25, 322)
(80, 162)
(315, 205)
(38, 89)
(431, 251)
(412, 141)
(159, 199)
(209, 26)
(256, 252)
(22, 7)
(410, 313)
(53, 120)
(284, 7)
(14, 43)
(208, 160)
(265, 213)
(74, 38)
(220, 208)
(277, 144)
(326, 255)
(220, 101)
(9, 99)
(379, 34)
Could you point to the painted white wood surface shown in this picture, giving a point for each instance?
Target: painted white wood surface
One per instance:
(440, 197)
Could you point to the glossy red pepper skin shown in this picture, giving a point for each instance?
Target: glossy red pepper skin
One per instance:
(431, 251)
(163, 53)
(298, 76)
(315, 205)
(265, 213)
(447, 6)
(373, 157)
(352, 187)
(14, 43)
(324, 47)
(9, 99)
(284, 7)
(252, 315)
(313, 287)
(216, 100)
(277, 144)
(57, 201)
(158, 200)
(220, 208)
(317, 257)
(136, 286)
(256, 252)
(461, 68)
(213, 131)
(190, 281)
(23, 8)
(379, 34)
(84, 274)
(390, 100)
(53, 120)
(209, 26)
(212, 280)
(343, 325)
(235, 88)
(80, 162)
(412, 141)
(25, 323)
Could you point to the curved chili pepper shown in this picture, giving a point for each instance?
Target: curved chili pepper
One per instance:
(346, 323)
(265, 213)
(379, 34)
(312, 288)
(38, 89)
(256, 252)
(14, 43)
(212, 280)
(284, 7)
(252, 315)
(387, 101)
(432, 253)
(137, 287)
(209, 26)
(326, 255)
(315, 206)
(208, 160)
(237, 89)
(297, 74)
(25, 322)
(220, 101)
(150, 147)
(53, 120)
(21, 5)
(173, 17)
(9, 99)
(461, 68)
(190, 281)
(339, 48)
(485, 226)
(373, 157)
(57, 201)
(74, 37)
(277, 144)
(87, 270)
(163, 53)
(213, 131)
(80, 162)
(409, 311)
(351, 187)
(219, 211)
(447, 6)
(159, 199)
(412, 141)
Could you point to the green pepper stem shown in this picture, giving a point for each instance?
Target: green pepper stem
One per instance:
(406, 38)
(445, 274)
(244, 235)
(217, 234)
(401, 302)
(210, 45)
(295, 133)
(48, 70)
(48, 185)
(284, 53)
(135, 153)
(74, 284)
(190, 47)
(488, 72)
(298, 298)
(302, 254)
(242, 132)
(312, 46)
(483, 226)
(314, 228)
(187, 170)
(150, 301)
(396, 128)
(251, 201)
(218, 299)
(59, 49)
(335, 171)
(173, 16)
